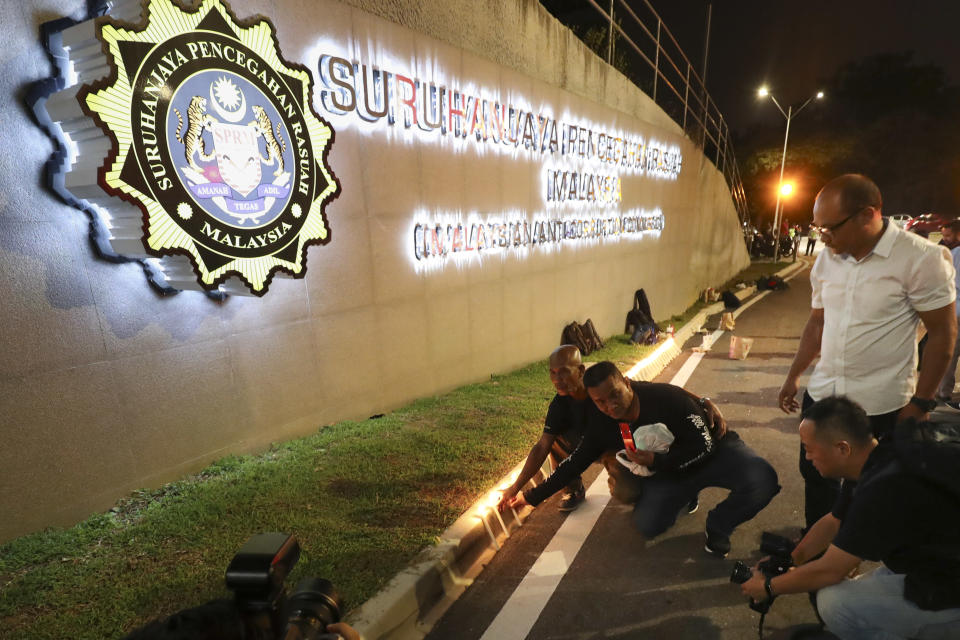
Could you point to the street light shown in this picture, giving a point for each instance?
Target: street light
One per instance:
(789, 114)
(786, 189)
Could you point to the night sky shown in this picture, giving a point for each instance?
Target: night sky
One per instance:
(793, 46)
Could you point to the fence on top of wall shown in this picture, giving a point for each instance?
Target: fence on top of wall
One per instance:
(637, 43)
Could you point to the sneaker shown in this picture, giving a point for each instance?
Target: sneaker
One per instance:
(953, 405)
(718, 545)
(693, 505)
(572, 499)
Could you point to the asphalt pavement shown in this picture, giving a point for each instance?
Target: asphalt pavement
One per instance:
(618, 585)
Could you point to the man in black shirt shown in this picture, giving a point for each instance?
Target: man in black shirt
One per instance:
(563, 426)
(697, 457)
(890, 516)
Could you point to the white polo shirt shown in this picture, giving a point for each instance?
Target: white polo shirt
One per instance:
(869, 346)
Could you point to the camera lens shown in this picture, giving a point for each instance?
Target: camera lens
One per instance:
(741, 573)
(313, 605)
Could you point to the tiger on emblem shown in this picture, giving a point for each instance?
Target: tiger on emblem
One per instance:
(275, 147)
(197, 121)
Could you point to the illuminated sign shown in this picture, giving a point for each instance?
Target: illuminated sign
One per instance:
(457, 238)
(571, 186)
(213, 136)
(584, 163)
(374, 94)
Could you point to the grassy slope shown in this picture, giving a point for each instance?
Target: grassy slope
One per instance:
(361, 497)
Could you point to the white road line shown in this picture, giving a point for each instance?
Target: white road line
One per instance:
(522, 610)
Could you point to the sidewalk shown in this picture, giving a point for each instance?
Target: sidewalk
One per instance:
(415, 599)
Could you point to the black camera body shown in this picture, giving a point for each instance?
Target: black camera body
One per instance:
(260, 608)
(256, 577)
(778, 562)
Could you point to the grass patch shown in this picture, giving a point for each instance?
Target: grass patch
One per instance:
(362, 497)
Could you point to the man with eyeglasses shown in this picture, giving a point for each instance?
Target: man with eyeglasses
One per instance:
(871, 288)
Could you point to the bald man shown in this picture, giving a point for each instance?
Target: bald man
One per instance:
(563, 427)
(872, 286)
(701, 454)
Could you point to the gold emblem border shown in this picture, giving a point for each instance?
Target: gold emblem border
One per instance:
(112, 106)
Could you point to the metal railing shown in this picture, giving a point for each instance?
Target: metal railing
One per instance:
(672, 82)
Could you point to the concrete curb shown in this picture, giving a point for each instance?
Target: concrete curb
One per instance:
(411, 603)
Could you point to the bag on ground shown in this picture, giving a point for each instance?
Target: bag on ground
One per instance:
(727, 322)
(640, 313)
(739, 347)
(590, 333)
(771, 283)
(730, 300)
(573, 334)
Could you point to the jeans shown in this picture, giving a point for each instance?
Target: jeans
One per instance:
(733, 465)
(872, 607)
(821, 493)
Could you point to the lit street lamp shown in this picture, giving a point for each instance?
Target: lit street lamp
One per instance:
(763, 92)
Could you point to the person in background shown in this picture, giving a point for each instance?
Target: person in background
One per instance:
(811, 240)
(951, 232)
(948, 235)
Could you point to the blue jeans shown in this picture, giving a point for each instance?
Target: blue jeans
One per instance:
(872, 607)
(733, 465)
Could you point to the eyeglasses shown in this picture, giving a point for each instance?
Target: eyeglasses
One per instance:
(831, 228)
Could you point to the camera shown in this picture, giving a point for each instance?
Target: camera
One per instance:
(260, 608)
(256, 577)
(778, 562)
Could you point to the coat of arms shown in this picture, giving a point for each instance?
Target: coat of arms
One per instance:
(215, 138)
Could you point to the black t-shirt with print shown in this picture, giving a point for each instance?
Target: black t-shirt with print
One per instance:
(659, 402)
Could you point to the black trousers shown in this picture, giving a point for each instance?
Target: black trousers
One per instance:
(821, 493)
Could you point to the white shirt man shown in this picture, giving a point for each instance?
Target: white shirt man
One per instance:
(871, 306)
(872, 287)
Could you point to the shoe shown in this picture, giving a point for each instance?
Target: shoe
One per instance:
(572, 499)
(717, 545)
(693, 505)
(942, 399)
(953, 405)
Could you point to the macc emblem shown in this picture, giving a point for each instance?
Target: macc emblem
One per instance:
(216, 140)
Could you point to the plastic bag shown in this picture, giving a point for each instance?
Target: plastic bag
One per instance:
(727, 323)
(739, 347)
(654, 437)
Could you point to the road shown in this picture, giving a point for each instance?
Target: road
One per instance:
(617, 585)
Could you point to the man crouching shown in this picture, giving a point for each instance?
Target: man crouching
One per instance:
(698, 457)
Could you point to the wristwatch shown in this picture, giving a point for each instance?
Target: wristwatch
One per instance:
(927, 404)
(703, 401)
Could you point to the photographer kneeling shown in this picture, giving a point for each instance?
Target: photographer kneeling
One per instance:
(892, 516)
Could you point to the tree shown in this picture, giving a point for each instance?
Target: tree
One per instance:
(888, 118)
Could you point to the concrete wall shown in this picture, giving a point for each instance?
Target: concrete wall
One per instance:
(106, 387)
